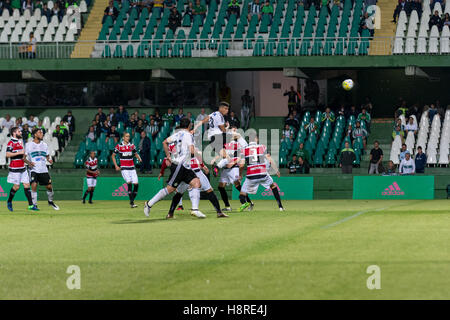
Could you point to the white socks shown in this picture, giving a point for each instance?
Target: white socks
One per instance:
(34, 197)
(50, 195)
(181, 202)
(159, 196)
(194, 194)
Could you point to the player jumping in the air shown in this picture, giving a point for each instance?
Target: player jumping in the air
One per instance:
(200, 169)
(231, 168)
(37, 153)
(256, 160)
(17, 174)
(126, 152)
(180, 171)
(92, 173)
(217, 129)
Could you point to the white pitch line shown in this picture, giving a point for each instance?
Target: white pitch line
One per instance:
(351, 217)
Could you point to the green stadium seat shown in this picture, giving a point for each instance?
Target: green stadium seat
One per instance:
(118, 52)
(129, 53)
(106, 52)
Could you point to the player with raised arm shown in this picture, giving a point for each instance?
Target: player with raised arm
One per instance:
(127, 152)
(231, 169)
(217, 127)
(37, 154)
(182, 144)
(200, 170)
(17, 173)
(92, 173)
(256, 158)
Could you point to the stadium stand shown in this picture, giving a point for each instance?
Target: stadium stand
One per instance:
(52, 141)
(293, 31)
(422, 37)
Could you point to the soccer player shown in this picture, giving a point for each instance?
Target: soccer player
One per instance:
(37, 153)
(17, 174)
(180, 171)
(92, 173)
(217, 128)
(231, 172)
(256, 158)
(197, 166)
(127, 151)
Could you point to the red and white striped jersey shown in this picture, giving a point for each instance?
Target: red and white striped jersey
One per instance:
(91, 164)
(196, 164)
(232, 150)
(255, 159)
(16, 164)
(126, 154)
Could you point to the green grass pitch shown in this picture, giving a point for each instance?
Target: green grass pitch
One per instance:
(315, 250)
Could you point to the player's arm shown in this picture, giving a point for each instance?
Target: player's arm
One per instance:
(113, 159)
(137, 156)
(10, 153)
(273, 165)
(204, 168)
(166, 148)
(200, 123)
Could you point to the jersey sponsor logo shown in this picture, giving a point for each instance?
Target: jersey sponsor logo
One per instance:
(393, 190)
(122, 191)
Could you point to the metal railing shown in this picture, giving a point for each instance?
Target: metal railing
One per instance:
(211, 47)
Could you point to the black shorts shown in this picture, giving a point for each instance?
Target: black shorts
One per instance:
(42, 178)
(178, 173)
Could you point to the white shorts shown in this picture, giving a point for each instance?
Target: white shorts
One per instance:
(18, 177)
(91, 182)
(251, 185)
(229, 175)
(130, 176)
(205, 185)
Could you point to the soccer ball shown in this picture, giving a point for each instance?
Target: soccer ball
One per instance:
(347, 84)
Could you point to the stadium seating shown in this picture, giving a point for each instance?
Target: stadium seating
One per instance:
(52, 142)
(294, 31)
(414, 36)
(325, 144)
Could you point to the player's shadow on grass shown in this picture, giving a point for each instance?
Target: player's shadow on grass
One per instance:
(130, 221)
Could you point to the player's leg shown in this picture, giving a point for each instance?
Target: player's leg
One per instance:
(249, 186)
(206, 186)
(91, 194)
(173, 205)
(161, 194)
(27, 191)
(46, 180)
(269, 183)
(34, 186)
(180, 205)
(12, 193)
(223, 181)
(135, 181)
(194, 182)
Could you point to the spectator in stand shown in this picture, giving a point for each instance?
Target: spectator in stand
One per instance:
(60, 136)
(199, 10)
(287, 133)
(101, 115)
(346, 159)
(7, 6)
(349, 131)
(46, 12)
(367, 23)
(339, 4)
(189, 11)
(401, 110)
(233, 120)
(7, 123)
(41, 127)
(201, 117)
(152, 128)
(398, 132)
(403, 152)
(105, 128)
(267, 9)
(70, 120)
(391, 170)
(407, 165)
(158, 8)
(413, 111)
(411, 126)
(144, 119)
(432, 112)
(291, 121)
(446, 21)
(246, 107)
(359, 132)
(303, 166)
(326, 3)
(92, 135)
(110, 11)
(303, 153)
(19, 122)
(367, 105)
(111, 117)
(27, 5)
(292, 99)
(311, 126)
(174, 20)
(26, 133)
(293, 165)
(144, 151)
(328, 115)
(435, 20)
(376, 156)
(420, 161)
(140, 127)
(254, 9)
(122, 115)
(398, 9)
(157, 117)
(32, 46)
(132, 123)
(180, 115)
(364, 116)
(417, 5)
(225, 93)
(169, 116)
(233, 8)
(170, 4)
(65, 130)
(113, 134)
(31, 122)
(353, 112)
(342, 111)
(191, 117)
